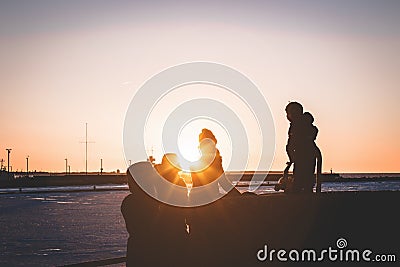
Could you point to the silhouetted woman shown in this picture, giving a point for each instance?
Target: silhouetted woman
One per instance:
(208, 168)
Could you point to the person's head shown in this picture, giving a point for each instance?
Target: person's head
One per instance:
(143, 173)
(308, 117)
(169, 167)
(134, 187)
(207, 142)
(294, 110)
(207, 134)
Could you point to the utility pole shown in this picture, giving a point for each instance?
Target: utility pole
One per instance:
(8, 158)
(66, 166)
(101, 166)
(27, 166)
(86, 150)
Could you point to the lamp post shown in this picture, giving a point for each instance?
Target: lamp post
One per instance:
(101, 166)
(66, 166)
(8, 158)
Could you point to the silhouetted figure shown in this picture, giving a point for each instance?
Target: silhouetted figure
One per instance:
(309, 120)
(209, 167)
(301, 148)
(170, 168)
(139, 211)
(156, 230)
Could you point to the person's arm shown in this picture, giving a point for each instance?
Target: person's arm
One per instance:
(319, 160)
(318, 155)
(223, 181)
(290, 145)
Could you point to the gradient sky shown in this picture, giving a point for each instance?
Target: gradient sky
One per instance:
(65, 63)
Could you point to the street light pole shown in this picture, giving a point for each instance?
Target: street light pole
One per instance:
(66, 166)
(8, 158)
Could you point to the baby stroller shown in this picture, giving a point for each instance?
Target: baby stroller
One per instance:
(285, 183)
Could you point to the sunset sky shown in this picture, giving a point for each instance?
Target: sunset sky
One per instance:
(67, 63)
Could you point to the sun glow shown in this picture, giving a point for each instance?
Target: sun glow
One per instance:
(188, 143)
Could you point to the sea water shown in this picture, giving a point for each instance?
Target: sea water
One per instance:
(49, 229)
(46, 227)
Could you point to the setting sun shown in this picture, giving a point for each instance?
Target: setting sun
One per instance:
(188, 141)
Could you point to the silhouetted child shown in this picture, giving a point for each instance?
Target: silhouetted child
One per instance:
(309, 120)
